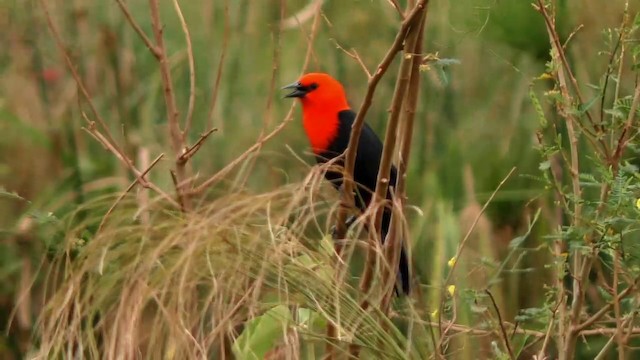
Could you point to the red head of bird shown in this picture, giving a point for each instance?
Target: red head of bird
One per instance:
(322, 98)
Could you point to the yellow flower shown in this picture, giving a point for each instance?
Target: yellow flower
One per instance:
(451, 262)
(638, 203)
(451, 289)
(545, 76)
(434, 314)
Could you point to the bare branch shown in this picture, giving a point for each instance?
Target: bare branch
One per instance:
(192, 72)
(175, 133)
(354, 55)
(190, 151)
(134, 24)
(223, 53)
(302, 16)
(230, 166)
(505, 338)
(354, 138)
(126, 191)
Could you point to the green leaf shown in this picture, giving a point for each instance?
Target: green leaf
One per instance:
(442, 75)
(517, 241)
(310, 319)
(263, 333)
(583, 108)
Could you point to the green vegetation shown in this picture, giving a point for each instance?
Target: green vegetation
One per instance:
(223, 250)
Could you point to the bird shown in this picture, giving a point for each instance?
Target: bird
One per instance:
(327, 119)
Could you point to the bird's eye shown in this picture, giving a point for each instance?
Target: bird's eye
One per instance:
(313, 86)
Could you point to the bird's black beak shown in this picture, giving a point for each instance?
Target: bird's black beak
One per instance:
(298, 90)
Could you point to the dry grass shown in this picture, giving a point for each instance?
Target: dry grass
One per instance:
(184, 285)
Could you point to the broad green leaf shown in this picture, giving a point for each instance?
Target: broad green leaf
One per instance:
(262, 333)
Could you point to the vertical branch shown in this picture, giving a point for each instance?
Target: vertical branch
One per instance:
(581, 263)
(350, 154)
(394, 242)
(223, 53)
(175, 133)
(354, 138)
(619, 336)
(267, 114)
(382, 181)
(192, 72)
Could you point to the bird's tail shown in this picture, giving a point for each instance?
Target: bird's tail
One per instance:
(403, 266)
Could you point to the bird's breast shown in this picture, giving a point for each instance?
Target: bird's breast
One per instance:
(321, 128)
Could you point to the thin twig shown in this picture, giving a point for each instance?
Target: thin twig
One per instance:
(607, 76)
(555, 42)
(460, 328)
(192, 71)
(261, 139)
(190, 151)
(623, 140)
(619, 335)
(356, 130)
(547, 336)
(175, 133)
(607, 346)
(144, 182)
(272, 84)
(505, 338)
(230, 166)
(461, 248)
(475, 222)
(595, 317)
(394, 4)
(126, 191)
(354, 55)
(223, 53)
(621, 63)
(134, 24)
(305, 14)
(83, 89)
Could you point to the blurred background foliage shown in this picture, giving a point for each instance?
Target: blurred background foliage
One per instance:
(475, 119)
